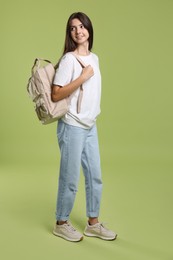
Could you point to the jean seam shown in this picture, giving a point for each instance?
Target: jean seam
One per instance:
(66, 138)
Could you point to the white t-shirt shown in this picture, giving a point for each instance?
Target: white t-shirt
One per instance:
(69, 69)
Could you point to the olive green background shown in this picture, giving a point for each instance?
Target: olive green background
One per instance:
(133, 39)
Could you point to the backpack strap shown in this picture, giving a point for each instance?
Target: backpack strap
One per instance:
(79, 101)
(79, 60)
(37, 63)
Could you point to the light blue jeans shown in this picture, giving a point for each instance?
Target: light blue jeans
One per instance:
(78, 147)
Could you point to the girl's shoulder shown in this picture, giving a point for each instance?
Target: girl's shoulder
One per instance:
(67, 59)
(95, 58)
(94, 55)
(68, 55)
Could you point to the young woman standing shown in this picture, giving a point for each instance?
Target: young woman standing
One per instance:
(77, 131)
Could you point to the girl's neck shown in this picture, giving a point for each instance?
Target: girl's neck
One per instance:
(82, 51)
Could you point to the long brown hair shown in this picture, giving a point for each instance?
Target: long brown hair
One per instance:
(69, 44)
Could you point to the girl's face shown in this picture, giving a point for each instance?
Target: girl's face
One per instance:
(79, 34)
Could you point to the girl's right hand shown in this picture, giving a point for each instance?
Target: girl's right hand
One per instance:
(87, 72)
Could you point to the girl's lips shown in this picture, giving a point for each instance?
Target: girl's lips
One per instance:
(79, 37)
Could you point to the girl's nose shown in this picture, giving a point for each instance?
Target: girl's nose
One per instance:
(78, 30)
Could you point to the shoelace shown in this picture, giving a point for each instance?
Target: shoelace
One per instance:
(103, 227)
(70, 227)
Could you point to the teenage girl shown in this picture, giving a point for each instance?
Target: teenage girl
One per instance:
(77, 131)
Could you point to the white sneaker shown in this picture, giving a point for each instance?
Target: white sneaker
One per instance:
(100, 231)
(68, 232)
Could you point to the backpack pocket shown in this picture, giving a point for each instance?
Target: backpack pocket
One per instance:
(41, 109)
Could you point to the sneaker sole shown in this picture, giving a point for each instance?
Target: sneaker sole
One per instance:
(67, 238)
(101, 237)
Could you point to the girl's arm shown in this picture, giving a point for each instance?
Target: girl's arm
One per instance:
(59, 92)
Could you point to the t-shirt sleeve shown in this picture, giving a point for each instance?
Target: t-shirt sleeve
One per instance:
(64, 72)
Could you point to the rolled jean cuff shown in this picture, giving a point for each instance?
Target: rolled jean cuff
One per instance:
(92, 215)
(62, 218)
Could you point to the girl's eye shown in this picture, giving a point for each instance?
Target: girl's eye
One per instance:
(73, 28)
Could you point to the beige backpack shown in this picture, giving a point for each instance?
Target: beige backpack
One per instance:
(39, 89)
